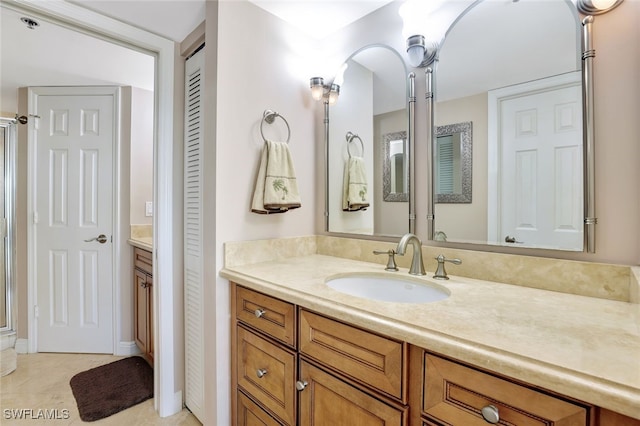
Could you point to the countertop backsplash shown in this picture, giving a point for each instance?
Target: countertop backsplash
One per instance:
(605, 281)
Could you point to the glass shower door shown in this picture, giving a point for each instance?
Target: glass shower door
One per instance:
(7, 189)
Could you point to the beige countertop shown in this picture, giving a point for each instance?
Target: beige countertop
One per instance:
(583, 347)
(145, 243)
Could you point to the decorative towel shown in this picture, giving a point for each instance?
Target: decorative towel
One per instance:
(354, 190)
(276, 189)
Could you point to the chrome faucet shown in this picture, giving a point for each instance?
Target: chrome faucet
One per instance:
(417, 266)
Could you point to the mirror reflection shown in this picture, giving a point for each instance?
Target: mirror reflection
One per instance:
(395, 167)
(368, 144)
(453, 163)
(523, 95)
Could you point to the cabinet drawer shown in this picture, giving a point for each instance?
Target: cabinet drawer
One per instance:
(371, 359)
(455, 394)
(250, 414)
(326, 400)
(267, 372)
(271, 316)
(142, 260)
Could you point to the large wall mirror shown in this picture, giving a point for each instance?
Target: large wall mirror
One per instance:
(368, 143)
(513, 69)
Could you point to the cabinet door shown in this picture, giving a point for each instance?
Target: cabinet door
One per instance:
(374, 360)
(141, 311)
(150, 342)
(327, 400)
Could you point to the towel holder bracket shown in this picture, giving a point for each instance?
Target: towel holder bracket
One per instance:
(350, 137)
(269, 117)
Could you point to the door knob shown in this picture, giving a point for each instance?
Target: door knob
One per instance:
(100, 238)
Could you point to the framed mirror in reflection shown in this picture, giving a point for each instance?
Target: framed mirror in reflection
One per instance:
(395, 183)
(453, 163)
(523, 95)
(373, 105)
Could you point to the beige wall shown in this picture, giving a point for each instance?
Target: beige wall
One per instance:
(352, 114)
(467, 222)
(260, 65)
(141, 124)
(389, 122)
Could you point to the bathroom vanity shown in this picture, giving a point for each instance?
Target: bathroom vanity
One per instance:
(303, 353)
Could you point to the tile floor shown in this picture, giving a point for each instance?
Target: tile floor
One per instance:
(41, 382)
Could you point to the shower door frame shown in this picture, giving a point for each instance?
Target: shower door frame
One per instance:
(9, 141)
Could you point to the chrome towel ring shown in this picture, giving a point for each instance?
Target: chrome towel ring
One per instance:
(350, 137)
(270, 116)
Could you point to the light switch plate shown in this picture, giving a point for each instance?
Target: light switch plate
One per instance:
(148, 208)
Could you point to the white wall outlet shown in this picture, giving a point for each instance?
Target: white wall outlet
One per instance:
(148, 208)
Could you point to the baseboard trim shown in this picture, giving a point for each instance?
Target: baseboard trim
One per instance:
(127, 349)
(22, 346)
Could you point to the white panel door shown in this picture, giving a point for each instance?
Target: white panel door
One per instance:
(541, 164)
(74, 139)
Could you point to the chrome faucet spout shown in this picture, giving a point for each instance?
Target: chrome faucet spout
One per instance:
(417, 265)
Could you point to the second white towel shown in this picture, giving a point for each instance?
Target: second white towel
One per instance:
(355, 189)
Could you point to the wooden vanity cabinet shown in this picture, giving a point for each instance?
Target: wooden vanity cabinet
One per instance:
(143, 302)
(295, 367)
(264, 359)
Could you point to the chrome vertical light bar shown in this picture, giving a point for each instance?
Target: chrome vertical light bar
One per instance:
(326, 161)
(412, 151)
(430, 168)
(588, 53)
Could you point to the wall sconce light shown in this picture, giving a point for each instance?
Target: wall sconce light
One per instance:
(421, 53)
(328, 92)
(596, 7)
(424, 24)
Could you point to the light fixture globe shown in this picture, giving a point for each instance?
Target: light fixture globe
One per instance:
(419, 51)
(317, 87)
(596, 7)
(334, 93)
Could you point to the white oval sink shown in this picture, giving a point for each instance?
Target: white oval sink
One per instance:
(388, 289)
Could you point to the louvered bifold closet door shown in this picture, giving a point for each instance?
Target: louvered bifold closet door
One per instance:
(193, 261)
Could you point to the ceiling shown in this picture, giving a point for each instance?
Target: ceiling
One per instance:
(33, 57)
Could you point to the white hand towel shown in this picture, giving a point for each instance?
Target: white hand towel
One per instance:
(355, 188)
(276, 189)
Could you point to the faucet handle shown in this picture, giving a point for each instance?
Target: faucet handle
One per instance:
(391, 262)
(441, 273)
